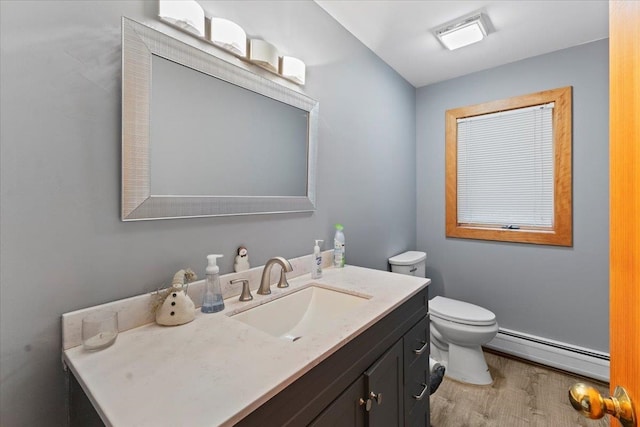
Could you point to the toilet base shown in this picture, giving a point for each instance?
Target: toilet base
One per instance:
(438, 354)
(467, 365)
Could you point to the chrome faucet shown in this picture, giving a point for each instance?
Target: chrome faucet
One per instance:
(265, 286)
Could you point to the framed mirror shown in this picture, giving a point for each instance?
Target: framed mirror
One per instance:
(203, 137)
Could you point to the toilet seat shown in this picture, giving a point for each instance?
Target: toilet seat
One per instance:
(460, 312)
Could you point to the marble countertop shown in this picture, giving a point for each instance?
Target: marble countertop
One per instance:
(216, 370)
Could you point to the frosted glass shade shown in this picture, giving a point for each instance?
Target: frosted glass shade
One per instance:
(228, 35)
(293, 68)
(186, 14)
(264, 54)
(464, 36)
(463, 33)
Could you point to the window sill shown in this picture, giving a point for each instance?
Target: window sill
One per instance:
(537, 237)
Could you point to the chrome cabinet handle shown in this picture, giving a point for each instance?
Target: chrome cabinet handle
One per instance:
(422, 393)
(423, 349)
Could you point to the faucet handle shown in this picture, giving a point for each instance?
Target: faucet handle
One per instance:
(246, 292)
(282, 283)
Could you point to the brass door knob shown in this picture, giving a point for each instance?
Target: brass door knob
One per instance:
(588, 401)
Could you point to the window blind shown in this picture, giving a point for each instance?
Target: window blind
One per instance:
(505, 168)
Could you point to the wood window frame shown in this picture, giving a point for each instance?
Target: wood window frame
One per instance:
(560, 234)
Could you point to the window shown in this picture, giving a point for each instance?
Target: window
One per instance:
(508, 169)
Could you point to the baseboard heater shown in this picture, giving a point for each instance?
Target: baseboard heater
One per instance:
(568, 357)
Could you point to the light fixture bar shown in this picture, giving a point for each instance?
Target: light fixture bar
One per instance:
(189, 16)
(464, 32)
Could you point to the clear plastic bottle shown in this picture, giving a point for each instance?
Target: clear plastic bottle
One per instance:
(212, 301)
(339, 247)
(316, 262)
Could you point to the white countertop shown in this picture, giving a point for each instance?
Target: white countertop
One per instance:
(216, 370)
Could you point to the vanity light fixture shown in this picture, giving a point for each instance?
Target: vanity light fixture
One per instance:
(264, 54)
(188, 16)
(185, 14)
(292, 69)
(463, 32)
(228, 35)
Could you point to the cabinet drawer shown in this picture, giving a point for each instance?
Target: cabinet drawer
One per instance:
(416, 384)
(416, 342)
(416, 362)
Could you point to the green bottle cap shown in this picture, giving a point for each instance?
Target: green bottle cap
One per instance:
(339, 227)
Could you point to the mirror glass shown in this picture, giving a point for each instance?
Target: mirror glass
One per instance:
(222, 139)
(203, 137)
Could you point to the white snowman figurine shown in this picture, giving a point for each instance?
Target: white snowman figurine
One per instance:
(242, 260)
(177, 307)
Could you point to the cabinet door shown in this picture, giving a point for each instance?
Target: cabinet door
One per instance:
(346, 410)
(384, 386)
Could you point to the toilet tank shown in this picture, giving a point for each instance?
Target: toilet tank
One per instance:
(411, 263)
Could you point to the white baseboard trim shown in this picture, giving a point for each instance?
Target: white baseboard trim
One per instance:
(568, 357)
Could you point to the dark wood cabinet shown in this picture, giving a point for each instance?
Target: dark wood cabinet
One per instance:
(375, 399)
(390, 359)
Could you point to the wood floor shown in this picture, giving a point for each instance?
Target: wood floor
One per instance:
(521, 395)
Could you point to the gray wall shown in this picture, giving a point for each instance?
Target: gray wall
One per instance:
(552, 292)
(63, 246)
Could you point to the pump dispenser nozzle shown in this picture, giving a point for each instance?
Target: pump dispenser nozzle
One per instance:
(212, 266)
(212, 301)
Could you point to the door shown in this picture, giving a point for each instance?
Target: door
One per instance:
(347, 410)
(624, 222)
(384, 386)
(624, 140)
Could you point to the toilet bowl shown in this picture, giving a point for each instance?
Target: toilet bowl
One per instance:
(458, 329)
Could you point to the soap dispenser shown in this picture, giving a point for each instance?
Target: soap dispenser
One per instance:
(212, 301)
(339, 247)
(316, 261)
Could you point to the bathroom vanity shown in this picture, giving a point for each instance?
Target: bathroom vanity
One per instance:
(366, 364)
(380, 378)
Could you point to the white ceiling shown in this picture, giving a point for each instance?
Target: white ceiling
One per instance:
(400, 32)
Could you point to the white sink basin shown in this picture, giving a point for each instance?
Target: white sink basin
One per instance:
(301, 312)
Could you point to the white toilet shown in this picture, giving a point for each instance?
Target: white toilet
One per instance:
(458, 329)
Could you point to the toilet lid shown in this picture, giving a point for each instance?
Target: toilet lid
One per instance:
(408, 258)
(460, 312)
